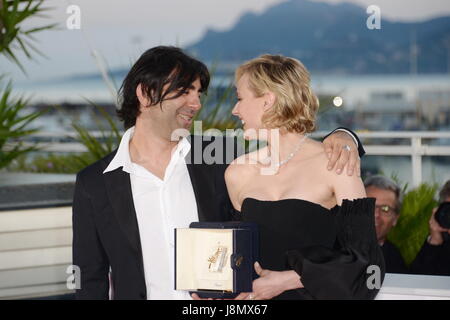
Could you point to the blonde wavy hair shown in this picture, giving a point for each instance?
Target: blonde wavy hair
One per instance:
(295, 105)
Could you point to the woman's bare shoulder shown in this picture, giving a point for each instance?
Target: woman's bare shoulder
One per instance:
(241, 167)
(316, 151)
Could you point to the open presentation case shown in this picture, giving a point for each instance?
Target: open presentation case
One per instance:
(215, 259)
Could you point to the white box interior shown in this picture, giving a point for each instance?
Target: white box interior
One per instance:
(193, 249)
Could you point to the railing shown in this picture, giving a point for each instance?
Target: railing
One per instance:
(416, 148)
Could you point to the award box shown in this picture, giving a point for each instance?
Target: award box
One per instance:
(215, 259)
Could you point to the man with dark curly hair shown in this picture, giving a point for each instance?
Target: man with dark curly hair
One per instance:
(127, 205)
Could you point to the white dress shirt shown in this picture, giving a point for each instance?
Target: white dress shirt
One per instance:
(161, 206)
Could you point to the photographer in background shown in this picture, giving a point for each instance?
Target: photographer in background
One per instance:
(434, 256)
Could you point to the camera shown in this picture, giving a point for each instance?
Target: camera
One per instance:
(442, 215)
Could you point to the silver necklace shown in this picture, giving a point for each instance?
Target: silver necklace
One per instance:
(292, 154)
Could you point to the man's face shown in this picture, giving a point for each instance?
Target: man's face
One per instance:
(385, 215)
(173, 114)
(179, 112)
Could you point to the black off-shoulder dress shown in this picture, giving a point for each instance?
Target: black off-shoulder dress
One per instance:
(330, 249)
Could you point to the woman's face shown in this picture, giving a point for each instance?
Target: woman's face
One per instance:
(248, 108)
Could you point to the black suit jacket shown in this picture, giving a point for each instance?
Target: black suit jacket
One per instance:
(105, 227)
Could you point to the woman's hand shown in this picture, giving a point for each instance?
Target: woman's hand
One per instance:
(272, 283)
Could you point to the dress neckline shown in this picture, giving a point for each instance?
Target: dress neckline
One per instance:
(289, 199)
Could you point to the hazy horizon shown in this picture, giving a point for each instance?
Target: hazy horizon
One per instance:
(121, 38)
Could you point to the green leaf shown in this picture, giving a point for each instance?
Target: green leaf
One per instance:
(47, 27)
(12, 35)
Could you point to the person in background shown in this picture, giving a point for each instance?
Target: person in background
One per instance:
(434, 256)
(387, 211)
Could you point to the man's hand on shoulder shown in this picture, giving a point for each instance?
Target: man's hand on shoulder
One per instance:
(342, 151)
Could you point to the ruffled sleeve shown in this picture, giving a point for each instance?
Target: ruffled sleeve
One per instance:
(343, 272)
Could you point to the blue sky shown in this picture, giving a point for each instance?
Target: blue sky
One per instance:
(120, 30)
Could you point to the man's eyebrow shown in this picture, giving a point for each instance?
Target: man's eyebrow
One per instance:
(191, 87)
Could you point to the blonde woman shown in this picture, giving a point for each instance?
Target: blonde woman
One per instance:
(317, 234)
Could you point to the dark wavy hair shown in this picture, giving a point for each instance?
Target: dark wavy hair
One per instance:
(154, 69)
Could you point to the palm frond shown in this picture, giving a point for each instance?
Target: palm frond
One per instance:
(14, 127)
(412, 227)
(12, 35)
